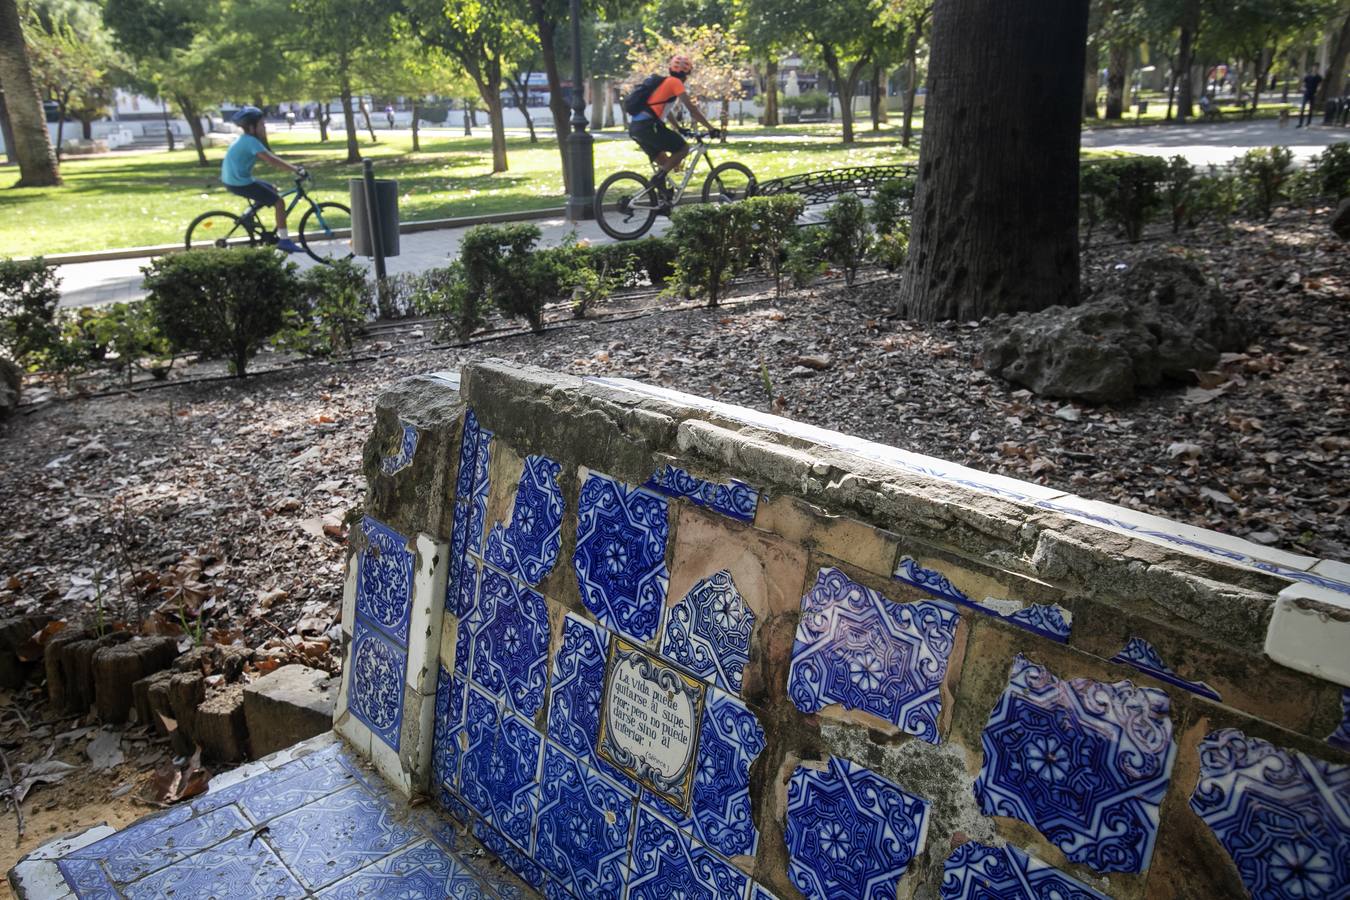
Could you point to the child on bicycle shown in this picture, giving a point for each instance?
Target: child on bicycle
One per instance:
(236, 172)
(665, 147)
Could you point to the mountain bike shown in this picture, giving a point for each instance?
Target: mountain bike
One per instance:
(325, 228)
(627, 203)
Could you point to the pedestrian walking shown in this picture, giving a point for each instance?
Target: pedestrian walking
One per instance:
(389, 115)
(1311, 82)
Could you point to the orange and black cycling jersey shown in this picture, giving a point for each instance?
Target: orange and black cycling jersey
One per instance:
(665, 92)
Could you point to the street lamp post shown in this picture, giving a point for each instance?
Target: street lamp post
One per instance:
(580, 144)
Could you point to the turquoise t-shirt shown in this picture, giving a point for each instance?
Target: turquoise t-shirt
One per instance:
(237, 168)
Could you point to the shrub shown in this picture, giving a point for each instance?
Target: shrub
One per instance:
(590, 273)
(29, 293)
(125, 338)
(773, 222)
(222, 302)
(1263, 173)
(891, 249)
(1333, 170)
(713, 241)
(501, 270)
(1214, 197)
(656, 257)
(1177, 189)
(804, 256)
(891, 205)
(336, 302)
(847, 237)
(1126, 191)
(444, 293)
(811, 100)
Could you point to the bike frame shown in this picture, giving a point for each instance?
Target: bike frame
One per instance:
(299, 192)
(700, 153)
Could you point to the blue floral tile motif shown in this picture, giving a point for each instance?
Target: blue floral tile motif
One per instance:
(736, 499)
(856, 648)
(445, 749)
(1143, 656)
(462, 583)
(1283, 816)
(620, 559)
(527, 547)
(151, 844)
(708, 632)
(1341, 736)
(499, 772)
(240, 867)
(469, 441)
(574, 700)
(262, 801)
(333, 837)
(977, 872)
(760, 892)
(422, 872)
(583, 830)
(1049, 620)
(407, 448)
(850, 832)
(464, 637)
(376, 671)
(510, 643)
(529, 871)
(87, 878)
(384, 580)
(720, 816)
(456, 807)
(1086, 763)
(666, 863)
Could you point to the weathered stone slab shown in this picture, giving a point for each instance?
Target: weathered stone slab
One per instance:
(286, 706)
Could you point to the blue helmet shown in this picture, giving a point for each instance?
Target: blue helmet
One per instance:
(246, 115)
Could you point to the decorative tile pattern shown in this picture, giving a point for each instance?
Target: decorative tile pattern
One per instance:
(335, 836)
(1283, 816)
(469, 442)
(133, 860)
(464, 630)
(407, 448)
(462, 583)
(87, 878)
(760, 892)
(1049, 620)
(850, 832)
(574, 700)
(445, 749)
(517, 862)
(377, 668)
(1143, 656)
(856, 648)
(422, 872)
(384, 580)
(977, 872)
(499, 773)
(708, 632)
(510, 643)
(240, 867)
(720, 815)
(736, 499)
(666, 864)
(620, 559)
(583, 828)
(527, 547)
(1341, 736)
(1087, 763)
(304, 785)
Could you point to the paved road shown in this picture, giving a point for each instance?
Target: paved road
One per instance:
(1214, 143)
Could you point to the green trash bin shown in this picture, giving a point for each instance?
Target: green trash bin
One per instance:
(386, 216)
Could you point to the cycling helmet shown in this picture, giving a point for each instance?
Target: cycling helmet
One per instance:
(246, 115)
(681, 64)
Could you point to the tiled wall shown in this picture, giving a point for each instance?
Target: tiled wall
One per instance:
(875, 714)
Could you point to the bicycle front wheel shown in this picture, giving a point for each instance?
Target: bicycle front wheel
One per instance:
(219, 229)
(326, 232)
(625, 206)
(728, 182)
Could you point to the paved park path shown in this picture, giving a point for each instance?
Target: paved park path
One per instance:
(84, 284)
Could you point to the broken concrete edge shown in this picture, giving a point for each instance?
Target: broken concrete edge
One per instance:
(533, 409)
(1310, 631)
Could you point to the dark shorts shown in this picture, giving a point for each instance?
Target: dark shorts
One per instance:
(655, 138)
(260, 193)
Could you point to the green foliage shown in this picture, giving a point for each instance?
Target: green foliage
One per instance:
(1126, 191)
(123, 336)
(29, 293)
(222, 303)
(336, 302)
(1177, 189)
(848, 240)
(1213, 197)
(807, 102)
(502, 270)
(773, 223)
(891, 248)
(713, 242)
(589, 273)
(1264, 173)
(891, 205)
(445, 294)
(804, 256)
(1333, 170)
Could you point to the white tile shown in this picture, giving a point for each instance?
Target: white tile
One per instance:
(1330, 568)
(1309, 631)
(386, 761)
(39, 879)
(428, 607)
(236, 775)
(355, 732)
(63, 845)
(349, 593)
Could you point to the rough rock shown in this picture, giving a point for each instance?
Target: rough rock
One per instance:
(1160, 321)
(14, 633)
(1340, 220)
(293, 703)
(11, 385)
(117, 667)
(221, 727)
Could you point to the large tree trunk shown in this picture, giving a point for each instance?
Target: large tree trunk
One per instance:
(417, 142)
(771, 92)
(323, 122)
(168, 129)
(32, 145)
(1116, 70)
(597, 104)
(1091, 83)
(607, 91)
(845, 84)
(497, 125)
(996, 208)
(194, 125)
(878, 96)
(1185, 60)
(911, 87)
(349, 118)
(520, 93)
(546, 25)
(86, 129)
(61, 122)
(6, 133)
(1335, 75)
(365, 114)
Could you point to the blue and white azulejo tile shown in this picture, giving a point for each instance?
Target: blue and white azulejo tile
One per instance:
(1341, 736)
(667, 863)
(708, 632)
(384, 580)
(407, 448)
(375, 692)
(620, 557)
(1143, 656)
(1049, 620)
(735, 499)
(582, 836)
(510, 643)
(1087, 763)
(499, 771)
(527, 546)
(1283, 816)
(855, 648)
(977, 872)
(423, 871)
(851, 833)
(332, 837)
(240, 867)
(574, 698)
(445, 746)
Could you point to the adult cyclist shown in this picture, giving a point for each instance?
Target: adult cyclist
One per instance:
(236, 171)
(647, 105)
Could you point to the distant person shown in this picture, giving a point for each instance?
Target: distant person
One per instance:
(1311, 82)
(236, 171)
(647, 104)
(389, 116)
(290, 120)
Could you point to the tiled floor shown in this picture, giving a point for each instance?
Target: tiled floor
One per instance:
(315, 823)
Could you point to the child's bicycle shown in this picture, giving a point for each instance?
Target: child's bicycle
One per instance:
(325, 228)
(627, 203)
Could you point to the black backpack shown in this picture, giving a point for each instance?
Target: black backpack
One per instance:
(636, 101)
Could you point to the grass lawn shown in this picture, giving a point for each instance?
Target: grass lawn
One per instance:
(136, 199)
(1156, 114)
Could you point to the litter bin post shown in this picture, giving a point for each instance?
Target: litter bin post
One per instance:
(373, 219)
(374, 203)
